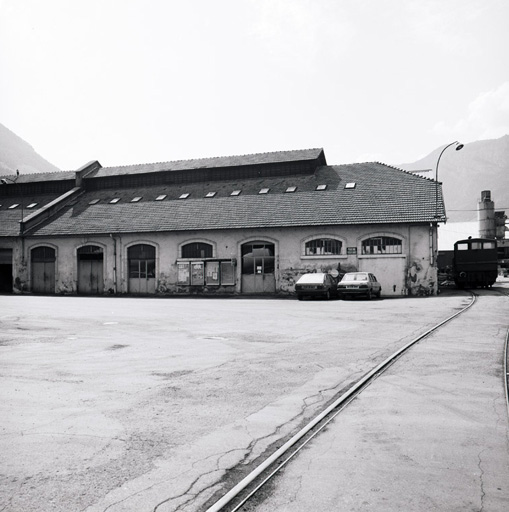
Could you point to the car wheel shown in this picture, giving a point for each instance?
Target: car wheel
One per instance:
(300, 297)
(327, 296)
(369, 295)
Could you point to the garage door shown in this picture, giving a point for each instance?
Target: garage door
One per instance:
(390, 272)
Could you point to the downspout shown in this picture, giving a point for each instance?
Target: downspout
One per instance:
(114, 264)
(433, 251)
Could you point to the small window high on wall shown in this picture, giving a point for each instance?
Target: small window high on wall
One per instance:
(197, 250)
(382, 245)
(323, 247)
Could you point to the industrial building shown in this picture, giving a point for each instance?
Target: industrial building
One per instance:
(249, 224)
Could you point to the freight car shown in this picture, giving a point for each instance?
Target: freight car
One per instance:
(475, 263)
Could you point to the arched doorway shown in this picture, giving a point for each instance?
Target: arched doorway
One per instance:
(142, 268)
(258, 267)
(90, 269)
(43, 269)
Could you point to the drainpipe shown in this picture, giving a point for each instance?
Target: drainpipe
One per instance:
(114, 264)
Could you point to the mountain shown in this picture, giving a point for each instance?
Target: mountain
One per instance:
(480, 165)
(16, 154)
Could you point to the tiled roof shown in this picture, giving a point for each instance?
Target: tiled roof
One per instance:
(382, 195)
(10, 218)
(210, 163)
(41, 176)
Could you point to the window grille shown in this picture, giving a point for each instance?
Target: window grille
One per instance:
(382, 245)
(197, 250)
(323, 247)
(43, 254)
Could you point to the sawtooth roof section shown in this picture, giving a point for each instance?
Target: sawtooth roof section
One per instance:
(382, 195)
(213, 163)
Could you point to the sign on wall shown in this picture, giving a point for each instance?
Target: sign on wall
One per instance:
(197, 273)
(183, 273)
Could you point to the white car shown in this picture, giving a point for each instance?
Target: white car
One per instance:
(359, 283)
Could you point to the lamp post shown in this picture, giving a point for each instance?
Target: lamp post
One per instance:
(458, 147)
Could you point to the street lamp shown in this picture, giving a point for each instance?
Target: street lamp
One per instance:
(458, 147)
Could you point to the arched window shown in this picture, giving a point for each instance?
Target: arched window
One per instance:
(197, 250)
(43, 254)
(382, 245)
(323, 247)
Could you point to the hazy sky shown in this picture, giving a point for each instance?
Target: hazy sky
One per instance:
(134, 81)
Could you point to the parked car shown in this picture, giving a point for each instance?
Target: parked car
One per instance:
(318, 284)
(359, 283)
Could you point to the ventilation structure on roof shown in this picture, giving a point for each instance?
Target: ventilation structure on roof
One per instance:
(184, 196)
(321, 187)
(94, 201)
(264, 191)
(115, 200)
(161, 197)
(236, 193)
(31, 205)
(136, 199)
(351, 184)
(291, 189)
(210, 194)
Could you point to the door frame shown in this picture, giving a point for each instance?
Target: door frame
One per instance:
(265, 240)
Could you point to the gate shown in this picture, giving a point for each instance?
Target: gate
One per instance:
(90, 270)
(142, 269)
(258, 268)
(43, 269)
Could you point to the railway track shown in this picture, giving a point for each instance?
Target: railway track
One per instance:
(235, 499)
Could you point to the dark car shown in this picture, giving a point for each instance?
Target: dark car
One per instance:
(318, 284)
(359, 283)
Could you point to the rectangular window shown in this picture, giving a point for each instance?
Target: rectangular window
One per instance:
(462, 247)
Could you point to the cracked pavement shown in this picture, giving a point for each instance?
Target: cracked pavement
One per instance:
(432, 433)
(120, 404)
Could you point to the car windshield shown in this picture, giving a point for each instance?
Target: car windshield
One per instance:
(355, 277)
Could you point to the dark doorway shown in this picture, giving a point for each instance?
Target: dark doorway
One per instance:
(5, 270)
(90, 270)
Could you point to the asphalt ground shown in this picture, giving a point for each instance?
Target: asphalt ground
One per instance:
(126, 404)
(431, 433)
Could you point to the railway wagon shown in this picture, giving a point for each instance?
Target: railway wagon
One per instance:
(475, 263)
